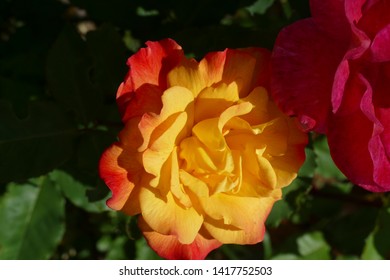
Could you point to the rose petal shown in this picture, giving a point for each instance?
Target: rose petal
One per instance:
(376, 147)
(148, 66)
(168, 246)
(293, 61)
(147, 99)
(330, 16)
(350, 130)
(241, 225)
(380, 46)
(375, 17)
(161, 148)
(120, 175)
(354, 10)
(175, 100)
(215, 100)
(164, 215)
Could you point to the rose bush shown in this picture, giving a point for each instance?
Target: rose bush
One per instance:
(333, 71)
(204, 152)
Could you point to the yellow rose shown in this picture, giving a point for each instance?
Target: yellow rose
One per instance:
(204, 152)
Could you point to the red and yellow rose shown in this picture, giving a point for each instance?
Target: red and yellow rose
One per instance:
(204, 151)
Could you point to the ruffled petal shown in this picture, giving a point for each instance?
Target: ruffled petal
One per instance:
(242, 219)
(215, 100)
(148, 66)
(164, 215)
(353, 127)
(168, 246)
(120, 175)
(380, 149)
(175, 100)
(380, 50)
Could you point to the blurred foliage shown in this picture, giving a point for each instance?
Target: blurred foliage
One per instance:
(61, 62)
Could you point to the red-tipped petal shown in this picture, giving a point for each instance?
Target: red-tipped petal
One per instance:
(149, 65)
(168, 246)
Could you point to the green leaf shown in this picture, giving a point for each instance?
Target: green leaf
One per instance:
(75, 191)
(69, 70)
(280, 211)
(348, 229)
(313, 246)
(260, 6)
(32, 219)
(117, 248)
(144, 252)
(308, 167)
(370, 252)
(377, 244)
(325, 165)
(35, 145)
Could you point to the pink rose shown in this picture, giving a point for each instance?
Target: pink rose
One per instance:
(333, 71)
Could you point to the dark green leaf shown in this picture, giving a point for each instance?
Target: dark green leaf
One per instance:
(109, 53)
(280, 211)
(377, 244)
(75, 191)
(308, 167)
(260, 6)
(350, 227)
(32, 220)
(69, 67)
(325, 165)
(35, 145)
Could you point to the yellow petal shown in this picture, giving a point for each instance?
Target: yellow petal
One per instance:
(212, 101)
(169, 247)
(195, 156)
(266, 174)
(235, 219)
(188, 76)
(195, 185)
(258, 97)
(167, 217)
(238, 211)
(175, 100)
(160, 149)
(228, 234)
(176, 186)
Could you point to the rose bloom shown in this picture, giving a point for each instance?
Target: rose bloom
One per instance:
(204, 152)
(333, 71)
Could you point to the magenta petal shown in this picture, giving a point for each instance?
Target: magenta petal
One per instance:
(354, 128)
(349, 133)
(354, 10)
(380, 47)
(304, 62)
(339, 84)
(329, 16)
(380, 150)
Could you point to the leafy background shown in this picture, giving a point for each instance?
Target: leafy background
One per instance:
(60, 65)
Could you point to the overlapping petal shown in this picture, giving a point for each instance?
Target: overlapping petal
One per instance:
(338, 84)
(204, 152)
